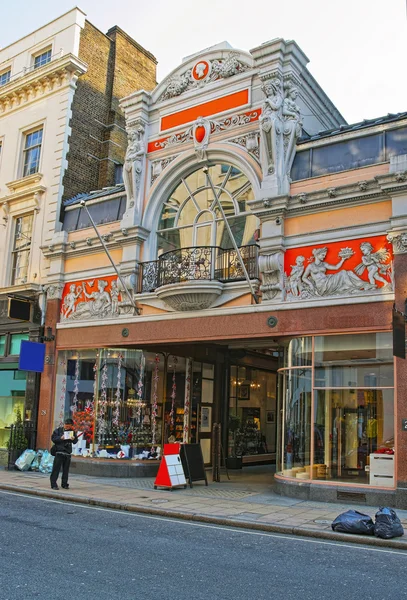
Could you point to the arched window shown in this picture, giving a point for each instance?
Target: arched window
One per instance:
(190, 217)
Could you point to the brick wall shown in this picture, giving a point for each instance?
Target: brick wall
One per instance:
(117, 66)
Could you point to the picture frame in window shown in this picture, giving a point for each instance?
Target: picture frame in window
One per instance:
(270, 417)
(206, 419)
(244, 391)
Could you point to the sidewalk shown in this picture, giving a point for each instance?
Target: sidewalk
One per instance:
(251, 504)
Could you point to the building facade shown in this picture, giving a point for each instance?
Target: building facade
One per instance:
(61, 131)
(261, 242)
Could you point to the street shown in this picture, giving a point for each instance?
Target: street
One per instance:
(54, 550)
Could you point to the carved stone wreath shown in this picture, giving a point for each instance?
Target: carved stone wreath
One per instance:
(219, 69)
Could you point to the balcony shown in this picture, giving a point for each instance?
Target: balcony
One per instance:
(192, 278)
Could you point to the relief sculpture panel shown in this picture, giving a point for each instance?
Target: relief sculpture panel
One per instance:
(345, 268)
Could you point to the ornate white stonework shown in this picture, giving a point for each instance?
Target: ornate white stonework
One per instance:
(134, 163)
(203, 72)
(158, 166)
(54, 291)
(280, 128)
(190, 295)
(399, 242)
(216, 127)
(310, 281)
(200, 133)
(272, 269)
(250, 142)
(83, 302)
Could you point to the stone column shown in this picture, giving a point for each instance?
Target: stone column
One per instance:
(46, 400)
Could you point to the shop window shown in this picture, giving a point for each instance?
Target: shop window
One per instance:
(352, 418)
(350, 426)
(354, 360)
(12, 398)
(15, 342)
(2, 345)
(21, 249)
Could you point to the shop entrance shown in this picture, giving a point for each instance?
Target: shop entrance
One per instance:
(252, 410)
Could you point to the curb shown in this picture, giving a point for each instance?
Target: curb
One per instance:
(235, 523)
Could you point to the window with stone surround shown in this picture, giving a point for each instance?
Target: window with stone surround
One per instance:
(42, 59)
(32, 152)
(21, 249)
(5, 77)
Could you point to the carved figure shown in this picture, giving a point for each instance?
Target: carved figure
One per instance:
(271, 126)
(292, 127)
(98, 302)
(114, 294)
(70, 299)
(133, 164)
(321, 284)
(296, 274)
(373, 262)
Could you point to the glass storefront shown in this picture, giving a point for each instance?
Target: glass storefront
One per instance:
(127, 401)
(336, 407)
(252, 406)
(13, 383)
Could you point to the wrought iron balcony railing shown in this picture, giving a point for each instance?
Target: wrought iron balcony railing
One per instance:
(204, 262)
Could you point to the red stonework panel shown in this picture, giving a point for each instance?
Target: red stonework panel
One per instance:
(322, 320)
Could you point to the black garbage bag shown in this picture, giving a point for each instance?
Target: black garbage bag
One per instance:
(387, 525)
(353, 521)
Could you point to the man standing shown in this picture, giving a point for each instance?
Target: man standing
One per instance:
(63, 438)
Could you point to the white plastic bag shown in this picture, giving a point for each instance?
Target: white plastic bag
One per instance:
(24, 461)
(47, 462)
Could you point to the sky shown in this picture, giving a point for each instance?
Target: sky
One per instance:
(357, 48)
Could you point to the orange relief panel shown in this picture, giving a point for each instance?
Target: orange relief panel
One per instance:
(91, 261)
(357, 215)
(90, 297)
(205, 109)
(339, 268)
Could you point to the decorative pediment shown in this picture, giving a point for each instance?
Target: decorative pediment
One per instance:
(201, 71)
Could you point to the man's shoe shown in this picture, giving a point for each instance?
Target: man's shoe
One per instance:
(54, 487)
(66, 487)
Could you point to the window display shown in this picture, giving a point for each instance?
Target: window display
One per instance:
(127, 402)
(351, 378)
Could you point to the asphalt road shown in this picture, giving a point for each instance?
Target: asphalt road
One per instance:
(58, 551)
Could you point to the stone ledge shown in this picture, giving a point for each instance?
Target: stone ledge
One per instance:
(329, 493)
(114, 467)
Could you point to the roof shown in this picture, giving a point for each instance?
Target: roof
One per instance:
(355, 127)
(109, 191)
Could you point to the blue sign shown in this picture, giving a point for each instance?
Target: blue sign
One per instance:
(32, 356)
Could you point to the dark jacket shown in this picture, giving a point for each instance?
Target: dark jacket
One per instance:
(63, 446)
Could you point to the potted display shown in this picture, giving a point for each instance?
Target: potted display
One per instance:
(234, 461)
(17, 442)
